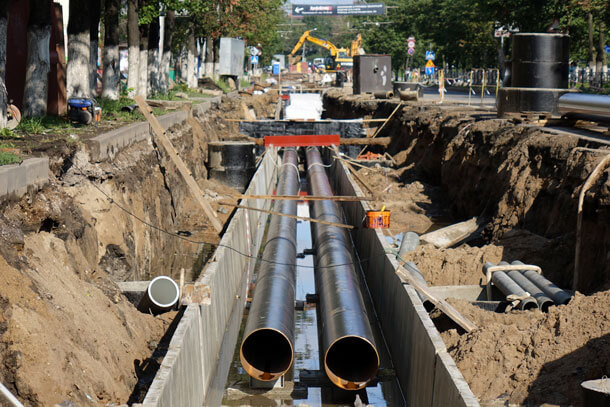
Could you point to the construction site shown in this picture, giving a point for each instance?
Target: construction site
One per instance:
(304, 242)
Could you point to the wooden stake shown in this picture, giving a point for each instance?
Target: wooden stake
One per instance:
(382, 126)
(182, 168)
(442, 305)
(305, 198)
(339, 225)
(581, 199)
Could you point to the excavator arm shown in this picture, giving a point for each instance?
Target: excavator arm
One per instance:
(292, 59)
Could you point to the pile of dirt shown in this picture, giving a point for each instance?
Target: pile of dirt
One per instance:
(62, 337)
(529, 357)
(413, 204)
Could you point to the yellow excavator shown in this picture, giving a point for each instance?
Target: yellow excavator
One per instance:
(338, 60)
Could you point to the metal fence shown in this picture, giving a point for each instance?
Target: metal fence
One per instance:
(587, 77)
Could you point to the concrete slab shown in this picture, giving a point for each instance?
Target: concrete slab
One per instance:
(15, 179)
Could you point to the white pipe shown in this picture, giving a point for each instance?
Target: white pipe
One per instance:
(9, 396)
(163, 293)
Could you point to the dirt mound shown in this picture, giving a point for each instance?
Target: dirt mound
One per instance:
(532, 357)
(62, 337)
(459, 266)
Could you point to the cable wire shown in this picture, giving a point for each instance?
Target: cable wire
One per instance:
(155, 227)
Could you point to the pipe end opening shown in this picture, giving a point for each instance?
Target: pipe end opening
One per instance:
(351, 362)
(266, 354)
(530, 305)
(163, 291)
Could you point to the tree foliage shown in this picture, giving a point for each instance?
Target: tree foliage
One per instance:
(461, 32)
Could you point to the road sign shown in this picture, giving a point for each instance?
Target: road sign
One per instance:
(430, 70)
(607, 48)
(254, 59)
(429, 64)
(411, 42)
(368, 9)
(430, 55)
(411, 51)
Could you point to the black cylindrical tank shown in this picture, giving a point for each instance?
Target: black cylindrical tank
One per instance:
(232, 163)
(540, 60)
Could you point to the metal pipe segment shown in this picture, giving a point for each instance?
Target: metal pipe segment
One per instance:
(266, 352)
(351, 359)
(544, 302)
(595, 107)
(510, 287)
(161, 295)
(559, 296)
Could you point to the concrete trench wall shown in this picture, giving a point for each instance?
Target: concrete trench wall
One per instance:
(107, 145)
(428, 375)
(194, 369)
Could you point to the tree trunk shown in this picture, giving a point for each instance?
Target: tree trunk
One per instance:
(153, 57)
(590, 50)
(134, 47)
(78, 50)
(170, 21)
(216, 68)
(191, 79)
(4, 4)
(94, 34)
(111, 77)
(38, 60)
(601, 52)
(209, 57)
(143, 62)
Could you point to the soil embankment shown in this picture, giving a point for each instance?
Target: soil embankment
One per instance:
(456, 162)
(518, 177)
(66, 332)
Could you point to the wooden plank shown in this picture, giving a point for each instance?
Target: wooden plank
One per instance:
(359, 141)
(450, 235)
(442, 305)
(306, 198)
(182, 168)
(383, 125)
(339, 225)
(359, 178)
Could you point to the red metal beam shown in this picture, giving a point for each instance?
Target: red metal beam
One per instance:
(303, 140)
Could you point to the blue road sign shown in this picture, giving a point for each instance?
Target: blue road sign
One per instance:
(429, 70)
(254, 59)
(430, 55)
(607, 47)
(411, 51)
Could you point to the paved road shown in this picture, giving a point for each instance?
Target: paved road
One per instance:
(431, 93)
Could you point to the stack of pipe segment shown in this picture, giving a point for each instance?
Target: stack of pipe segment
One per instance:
(161, 295)
(558, 295)
(350, 356)
(267, 350)
(544, 301)
(509, 287)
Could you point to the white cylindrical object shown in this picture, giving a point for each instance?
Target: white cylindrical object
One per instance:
(161, 295)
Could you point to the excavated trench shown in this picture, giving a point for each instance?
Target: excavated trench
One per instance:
(66, 332)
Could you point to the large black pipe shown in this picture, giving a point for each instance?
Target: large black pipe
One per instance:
(509, 287)
(544, 302)
(266, 351)
(351, 359)
(559, 296)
